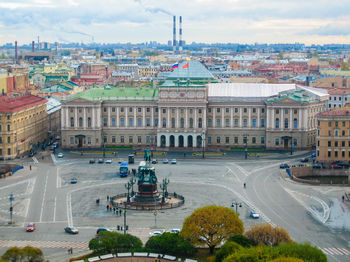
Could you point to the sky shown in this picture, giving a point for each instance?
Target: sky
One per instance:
(209, 21)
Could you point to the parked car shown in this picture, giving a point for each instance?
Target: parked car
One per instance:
(92, 161)
(174, 230)
(342, 164)
(32, 153)
(304, 160)
(71, 230)
(253, 214)
(173, 161)
(108, 161)
(336, 166)
(154, 161)
(284, 166)
(317, 166)
(100, 161)
(74, 180)
(155, 233)
(102, 229)
(165, 161)
(30, 227)
(60, 155)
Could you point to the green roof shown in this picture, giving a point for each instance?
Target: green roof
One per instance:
(345, 73)
(195, 70)
(298, 96)
(145, 93)
(56, 88)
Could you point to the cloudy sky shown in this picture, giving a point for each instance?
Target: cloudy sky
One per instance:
(236, 21)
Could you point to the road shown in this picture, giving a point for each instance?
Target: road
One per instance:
(45, 196)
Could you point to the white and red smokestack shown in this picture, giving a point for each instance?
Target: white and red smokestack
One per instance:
(180, 35)
(174, 33)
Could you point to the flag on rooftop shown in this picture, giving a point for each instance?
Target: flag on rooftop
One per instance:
(185, 65)
(176, 65)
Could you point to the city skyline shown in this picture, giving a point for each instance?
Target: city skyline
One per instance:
(235, 21)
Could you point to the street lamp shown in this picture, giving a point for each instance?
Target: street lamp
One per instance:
(236, 204)
(245, 140)
(11, 198)
(291, 144)
(203, 143)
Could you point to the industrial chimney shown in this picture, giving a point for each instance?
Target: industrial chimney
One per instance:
(180, 35)
(174, 34)
(16, 52)
(33, 46)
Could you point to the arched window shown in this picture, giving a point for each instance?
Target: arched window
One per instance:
(200, 122)
(277, 123)
(80, 121)
(164, 122)
(191, 122)
(182, 122)
(295, 123)
(286, 123)
(72, 122)
(89, 121)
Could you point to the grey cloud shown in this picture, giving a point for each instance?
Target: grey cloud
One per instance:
(331, 30)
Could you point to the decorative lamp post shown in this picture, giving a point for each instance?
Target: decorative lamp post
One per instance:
(132, 183)
(237, 205)
(128, 186)
(203, 143)
(245, 140)
(11, 198)
(164, 186)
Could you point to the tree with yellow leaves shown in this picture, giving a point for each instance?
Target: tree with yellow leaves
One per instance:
(211, 226)
(268, 235)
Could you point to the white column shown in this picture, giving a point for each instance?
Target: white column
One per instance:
(214, 117)
(273, 118)
(167, 140)
(168, 120)
(195, 118)
(93, 117)
(143, 117)
(204, 121)
(290, 119)
(109, 116)
(126, 116)
(99, 117)
(299, 119)
(305, 119)
(177, 118)
(75, 117)
(249, 117)
(118, 116)
(152, 116)
(158, 139)
(258, 120)
(67, 117)
(186, 118)
(135, 119)
(282, 119)
(185, 140)
(176, 140)
(84, 119)
(268, 118)
(159, 118)
(231, 117)
(223, 124)
(240, 117)
(63, 116)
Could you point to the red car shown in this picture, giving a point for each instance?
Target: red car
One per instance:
(30, 227)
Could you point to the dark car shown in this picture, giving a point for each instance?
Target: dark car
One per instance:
(92, 161)
(154, 161)
(74, 180)
(317, 166)
(304, 160)
(102, 229)
(336, 166)
(342, 164)
(71, 230)
(31, 154)
(284, 166)
(100, 161)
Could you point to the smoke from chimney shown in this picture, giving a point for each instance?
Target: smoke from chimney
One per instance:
(174, 33)
(180, 35)
(16, 52)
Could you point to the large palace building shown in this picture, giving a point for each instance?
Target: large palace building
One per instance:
(190, 110)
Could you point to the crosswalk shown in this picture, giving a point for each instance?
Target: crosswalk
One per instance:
(44, 244)
(336, 251)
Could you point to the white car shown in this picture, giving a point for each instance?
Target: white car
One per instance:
(60, 155)
(155, 233)
(108, 161)
(253, 214)
(174, 230)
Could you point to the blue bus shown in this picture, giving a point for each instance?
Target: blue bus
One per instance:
(141, 165)
(124, 169)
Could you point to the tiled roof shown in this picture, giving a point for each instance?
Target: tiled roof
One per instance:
(335, 113)
(339, 91)
(10, 105)
(195, 70)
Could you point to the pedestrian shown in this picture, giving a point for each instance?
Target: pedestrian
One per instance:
(110, 207)
(113, 209)
(71, 250)
(244, 185)
(120, 212)
(107, 207)
(30, 167)
(107, 197)
(343, 198)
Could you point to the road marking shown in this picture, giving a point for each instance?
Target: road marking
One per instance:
(44, 244)
(243, 171)
(69, 209)
(54, 210)
(35, 160)
(53, 158)
(336, 251)
(58, 178)
(235, 176)
(43, 201)
(30, 186)
(14, 184)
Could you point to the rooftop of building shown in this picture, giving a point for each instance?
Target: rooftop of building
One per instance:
(144, 93)
(52, 105)
(11, 105)
(339, 91)
(335, 113)
(195, 70)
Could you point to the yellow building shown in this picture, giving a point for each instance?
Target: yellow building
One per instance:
(23, 123)
(3, 83)
(333, 136)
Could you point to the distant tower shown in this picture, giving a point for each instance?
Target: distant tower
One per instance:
(174, 33)
(33, 46)
(38, 44)
(56, 47)
(180, 35)
(16, 52)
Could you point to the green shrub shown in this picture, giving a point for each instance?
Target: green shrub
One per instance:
(242, 240)
(227, 249)
(287, 259)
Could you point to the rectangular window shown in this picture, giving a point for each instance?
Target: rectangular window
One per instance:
(218, 140)
(9, 151)
(139, 122)
(329, 143)
(262, 110)
(227, 122)
(236, 110)
(122, 109)
(210, 122)
(343, 153)
(130, 109)
(329, 133)
(164, 110)
(227, 139)
(209, 110)
(122, 122)
(148, 110)
(139, 109)
(209, 140)
(245, 122)
(218, 109)
(329, 153)
(236, 122)
(156, 109)
(335, 153)
(71, 140)
(113, 109)
(172, 122)
(262, 140)
(286, 111)
(343, 143)
(253, 140)
(0, 140)
(130, 139)
(105, 139)
(227, 110)
(8, 139)
(148, 139)
(199, 111)
(218, 122)
(113, 121)
(254, 110)
(139, 139)
(236, 139)
(131, 121)
(336, 143)
(148, 121)
(173, 110)
(89, 140)
(113, 139)
(277, 141)
(245, 110)
(254, 122)
(121, 139)
(262, 122)
(191, 110)
(277, 111)
(104, 109)
(156, 122)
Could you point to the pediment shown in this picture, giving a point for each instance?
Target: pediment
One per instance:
(78, 100)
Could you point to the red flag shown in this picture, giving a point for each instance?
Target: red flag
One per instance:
(185, 66)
